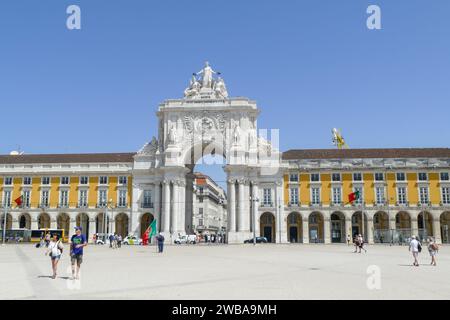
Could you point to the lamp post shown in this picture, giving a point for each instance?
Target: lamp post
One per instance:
(105, 220)
(253, 201)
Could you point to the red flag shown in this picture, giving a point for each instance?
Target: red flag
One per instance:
(19, 201)
(351, 197)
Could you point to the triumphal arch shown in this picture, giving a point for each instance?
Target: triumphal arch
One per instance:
(206, 121)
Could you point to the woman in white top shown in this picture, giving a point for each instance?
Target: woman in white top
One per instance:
(55, 249)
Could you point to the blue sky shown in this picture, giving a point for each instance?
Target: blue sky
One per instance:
(310, 65)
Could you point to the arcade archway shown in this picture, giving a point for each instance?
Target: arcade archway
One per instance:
(316, 227)
(267, 226)
(43, 221)
(294, 227)
(122, 224)
(338, 227)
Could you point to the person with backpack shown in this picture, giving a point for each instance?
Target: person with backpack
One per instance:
(361, 243)
(160, 239)
(77, 243)
(415, 247)
(433, 248)
(54, 249)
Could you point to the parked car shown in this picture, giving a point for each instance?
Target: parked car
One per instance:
(189, 238)
(258, 240)
(132, 240)
(99, 239)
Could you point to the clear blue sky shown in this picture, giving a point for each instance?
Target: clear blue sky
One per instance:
(310, 65)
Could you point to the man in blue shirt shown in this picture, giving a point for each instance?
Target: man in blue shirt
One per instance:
(77, 243)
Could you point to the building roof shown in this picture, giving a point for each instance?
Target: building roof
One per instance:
(67, 158)
(298, 154)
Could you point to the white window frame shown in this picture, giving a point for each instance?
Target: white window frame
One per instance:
(83, 201)
(122, 201)
(440, 176)
(27, 179)
(101, 203)
(339, 175)
(47, 202)
(293, 196)
(26, 194)
(64, 202)
(336, 194)
(45, 184)
(426, 195)
(445, 197)
(100, 180)
(294, 175)
(122, 183)
(267, 195)
(61, 180)
(404, 175)
(6, 200)
(318, 195)
(361, 194)
(377, 195)
(405, 195)
(8, 179)
(378, 173)
(357, 181)
(418, 177)
(87, 181)
(311, 175)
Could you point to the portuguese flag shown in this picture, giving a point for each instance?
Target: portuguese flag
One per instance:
(353, 196)
(151, 230)
(19, 201)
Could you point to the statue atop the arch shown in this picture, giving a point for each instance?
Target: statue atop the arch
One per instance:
(173, 135)
(203, 85)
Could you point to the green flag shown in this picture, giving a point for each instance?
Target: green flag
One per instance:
(152, 228)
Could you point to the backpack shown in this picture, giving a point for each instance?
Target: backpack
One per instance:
(435, 247)
(419, 247)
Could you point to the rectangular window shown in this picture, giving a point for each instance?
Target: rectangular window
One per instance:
(27, 181)
(65, 180)
(44, 198)
(122, 198)
(337, 195)
(7, 199)
(83, 199)
(315, 195)
(84, 180)
(445, 195)
(401, 195)
(103, 180)
(294, 196)
(357, 177)
(444, 176)
(401, 176)
(64, 199)
(200, 212)
(45, 181)
(8, 181)
(200, 199)
(315, 177)
(26, 199)
(361, 195)
(293, 177)
(200, 222)
(123, 180)
(423, 193)
(102, 198)
(200, 190)
(267, 199)
(379, 192)
(336, 177)
(147, 199)
(423, 176)
(379, 176)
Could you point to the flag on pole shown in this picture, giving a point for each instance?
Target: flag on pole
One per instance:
(353, 196)
(151, 230)
(19, 201)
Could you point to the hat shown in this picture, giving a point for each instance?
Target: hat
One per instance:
(78, 228)
(413, 237)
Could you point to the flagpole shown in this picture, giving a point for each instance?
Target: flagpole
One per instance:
(4, 221)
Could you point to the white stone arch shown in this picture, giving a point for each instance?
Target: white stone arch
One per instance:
(24, 220)
(294, 225)
(44, 220)
(316, 226)
(268, 226)
(122, 223)
(444, 220)
(337, 226)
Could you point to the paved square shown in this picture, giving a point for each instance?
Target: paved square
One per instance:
(225, 272)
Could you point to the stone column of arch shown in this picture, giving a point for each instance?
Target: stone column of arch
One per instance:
(15, 221)
(437, 229)
(181, 207)
(305, 225)
(241, 203)
(255, 206)
(326, 228)
(246, 206)
(414, 226)
(166, 206)
(157, 205)
(370, 230)
(392, 223)
(231, 205)
(72, 225)
(91, 228)
(53, 222)
(175, 208)
(348, 228)
(34, 221)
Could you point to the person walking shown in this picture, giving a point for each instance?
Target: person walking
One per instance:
(348, 239)
(160, 239)
(111, 240)
(55, 249)
(433, 248)
(415, 248)
(77, 243)
(361, 243)
(119, 241)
